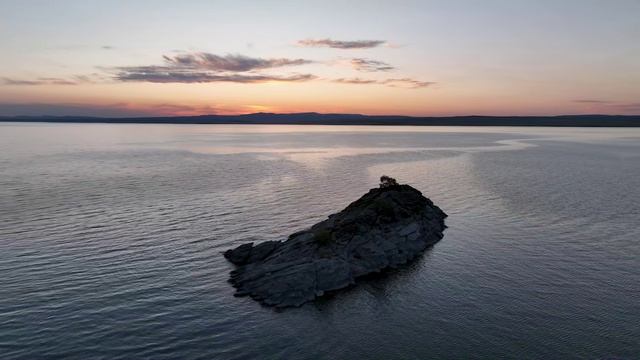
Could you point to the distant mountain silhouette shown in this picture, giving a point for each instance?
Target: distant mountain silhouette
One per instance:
(312, 118)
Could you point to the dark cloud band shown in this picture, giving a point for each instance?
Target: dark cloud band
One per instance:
(237, 63)
(337, 44)
(206, 68)
(370, 65)
(400, 83)
(156, 74)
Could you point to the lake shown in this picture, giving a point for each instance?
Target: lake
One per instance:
(111, 239)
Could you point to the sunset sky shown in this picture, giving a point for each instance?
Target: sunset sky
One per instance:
(494, 57)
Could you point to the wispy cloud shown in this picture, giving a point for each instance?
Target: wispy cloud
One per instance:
(61, 109)
(179, 109)
(338, 44)
(592, 101)
(368, 65)
(630, 107)
(39, 81)
(202, 67)
(609, 105)
(356, 81)
(9, 81)
(116, 110)
(238, 63)
(407, 83)
(70, 80)
(58, 81)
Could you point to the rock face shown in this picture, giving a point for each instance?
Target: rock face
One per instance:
(386, 227)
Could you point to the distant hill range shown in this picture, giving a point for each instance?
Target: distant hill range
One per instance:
(353, 119)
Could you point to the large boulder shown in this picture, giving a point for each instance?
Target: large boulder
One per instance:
(387, 227)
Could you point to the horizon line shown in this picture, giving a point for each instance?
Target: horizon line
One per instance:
(309, 113)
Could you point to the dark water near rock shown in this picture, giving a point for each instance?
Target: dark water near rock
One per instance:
(110, 241)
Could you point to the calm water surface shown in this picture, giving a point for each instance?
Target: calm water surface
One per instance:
(110, 241)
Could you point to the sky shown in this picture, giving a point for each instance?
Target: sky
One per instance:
(425, 58)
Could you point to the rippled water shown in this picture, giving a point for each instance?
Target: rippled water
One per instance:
(110, 241)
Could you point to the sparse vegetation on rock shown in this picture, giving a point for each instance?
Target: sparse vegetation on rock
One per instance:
(386, 181)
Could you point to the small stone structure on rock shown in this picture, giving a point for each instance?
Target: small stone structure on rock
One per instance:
(387, 227)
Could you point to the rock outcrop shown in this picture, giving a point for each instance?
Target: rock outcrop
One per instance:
(387, 227)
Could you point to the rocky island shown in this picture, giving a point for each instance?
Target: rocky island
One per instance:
(385, 228)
